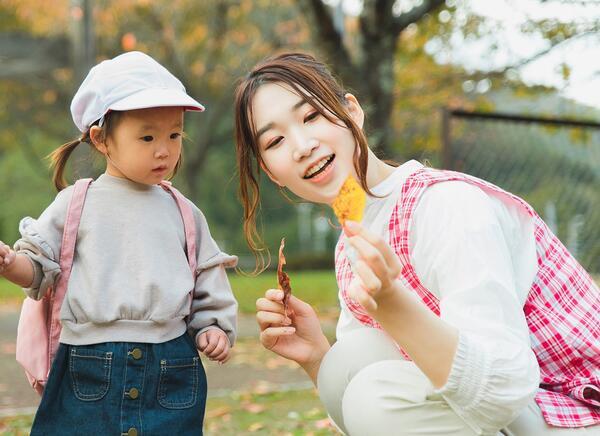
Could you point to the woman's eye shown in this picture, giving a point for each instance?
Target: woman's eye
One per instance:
(175, 135)
(147, 138)
(274, 142)
(311, 116)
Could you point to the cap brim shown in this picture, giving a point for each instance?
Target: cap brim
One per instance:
(157, 98)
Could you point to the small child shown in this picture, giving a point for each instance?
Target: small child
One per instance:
(128, 361)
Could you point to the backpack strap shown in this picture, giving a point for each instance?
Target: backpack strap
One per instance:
(67, 253)
(189, 223)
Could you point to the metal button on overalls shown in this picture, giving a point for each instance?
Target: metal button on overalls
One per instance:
(136, 353)
(133, 393)
(132, 432)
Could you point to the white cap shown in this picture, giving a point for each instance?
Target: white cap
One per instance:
(130, 81)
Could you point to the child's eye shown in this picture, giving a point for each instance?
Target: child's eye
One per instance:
(274, 142)
(175, 135)
(311, 116)
(147, 138)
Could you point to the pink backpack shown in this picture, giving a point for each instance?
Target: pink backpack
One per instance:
(39, 327)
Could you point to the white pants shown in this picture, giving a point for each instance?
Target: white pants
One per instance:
(368, 390)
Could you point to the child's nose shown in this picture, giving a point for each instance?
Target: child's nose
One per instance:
(161, 151)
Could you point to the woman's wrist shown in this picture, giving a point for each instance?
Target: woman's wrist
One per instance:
(312, 365)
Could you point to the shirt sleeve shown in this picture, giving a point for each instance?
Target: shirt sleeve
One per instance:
(214, 305)
(41, 242)
(461, 250)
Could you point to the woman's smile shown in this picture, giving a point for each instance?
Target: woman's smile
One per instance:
(320, 170)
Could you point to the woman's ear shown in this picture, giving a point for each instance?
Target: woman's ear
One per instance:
(355, 110)
(97, 138)
(271, 176)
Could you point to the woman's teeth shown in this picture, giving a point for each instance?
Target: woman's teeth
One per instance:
(318, 167)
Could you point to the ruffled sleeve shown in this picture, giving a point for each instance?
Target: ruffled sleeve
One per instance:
(214, 305)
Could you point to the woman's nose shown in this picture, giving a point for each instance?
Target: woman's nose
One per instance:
(305, 148)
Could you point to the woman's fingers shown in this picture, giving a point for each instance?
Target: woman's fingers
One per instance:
(266, 319)
(355, 231)
(270, 335)
(369, 280)
(360, 295)
(269, 305)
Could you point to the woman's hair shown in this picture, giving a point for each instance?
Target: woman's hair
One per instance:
(60, 156)
(311, 80)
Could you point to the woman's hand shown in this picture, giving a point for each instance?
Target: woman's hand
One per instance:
(298, 337)
(376, 270)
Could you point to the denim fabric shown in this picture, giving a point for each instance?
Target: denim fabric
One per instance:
(114, 387)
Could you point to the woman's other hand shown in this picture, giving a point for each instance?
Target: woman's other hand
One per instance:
(297, 337)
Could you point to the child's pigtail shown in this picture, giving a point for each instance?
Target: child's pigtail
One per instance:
(60, 156)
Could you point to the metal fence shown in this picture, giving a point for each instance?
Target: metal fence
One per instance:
(554, 164)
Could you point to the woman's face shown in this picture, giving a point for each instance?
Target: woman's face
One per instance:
(300, 148)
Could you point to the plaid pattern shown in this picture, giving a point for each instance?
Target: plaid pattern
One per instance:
(562, 309)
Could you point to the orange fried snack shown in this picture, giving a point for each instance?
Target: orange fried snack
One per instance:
(350, 201)
(283, 279)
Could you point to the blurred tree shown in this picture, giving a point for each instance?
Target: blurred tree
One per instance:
(365, 49)
(388, 53)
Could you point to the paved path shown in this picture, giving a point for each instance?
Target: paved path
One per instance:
(251, 368)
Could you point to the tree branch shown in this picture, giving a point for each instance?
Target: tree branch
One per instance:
(415, 14)
(329, 38)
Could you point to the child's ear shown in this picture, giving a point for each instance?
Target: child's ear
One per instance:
(271, 176)
(97, 138)
(355, 110)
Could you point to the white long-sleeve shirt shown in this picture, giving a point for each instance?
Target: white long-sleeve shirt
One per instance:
(476, 254)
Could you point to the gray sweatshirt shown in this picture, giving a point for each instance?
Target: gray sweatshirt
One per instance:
(130, 280)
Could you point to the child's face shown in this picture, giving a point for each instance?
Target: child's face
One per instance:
(300, 148)
(146, 144)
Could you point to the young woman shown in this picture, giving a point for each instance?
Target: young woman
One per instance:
(463, 314)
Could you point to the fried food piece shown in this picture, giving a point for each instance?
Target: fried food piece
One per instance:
(283, 279)
(350, 201)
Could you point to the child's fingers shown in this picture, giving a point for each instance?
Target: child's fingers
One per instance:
(213, 341)
(202, 341)
(222, 356)
(266, 319)
(221, 342)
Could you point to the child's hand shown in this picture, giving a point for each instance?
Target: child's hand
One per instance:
(7, 256)
(214, 343)
(376, 269)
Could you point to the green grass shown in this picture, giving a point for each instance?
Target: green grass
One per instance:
(317, 288)
(279, 413)
(9, 292)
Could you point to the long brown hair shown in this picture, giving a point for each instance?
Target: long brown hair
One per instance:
(313, 81)
(60, 156)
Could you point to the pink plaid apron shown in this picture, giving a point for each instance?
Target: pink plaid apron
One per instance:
(562, 309)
